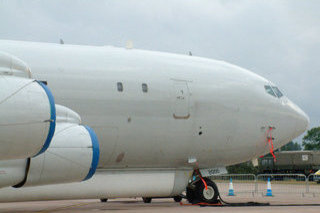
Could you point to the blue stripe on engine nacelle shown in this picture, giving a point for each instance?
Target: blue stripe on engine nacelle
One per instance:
(52, 118)
(95, 153)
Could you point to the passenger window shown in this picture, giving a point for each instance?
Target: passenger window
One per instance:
(277, 91)
(144, 87)
(269, 90)
(120, 86)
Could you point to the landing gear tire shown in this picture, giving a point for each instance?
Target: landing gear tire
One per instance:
(177, 198)
(104, 200)
(198, 192)
(147, 199)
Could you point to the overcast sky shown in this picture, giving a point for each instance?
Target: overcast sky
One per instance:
(279, 40)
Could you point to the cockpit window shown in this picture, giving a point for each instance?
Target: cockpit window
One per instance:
(277, 91)
(269, 90)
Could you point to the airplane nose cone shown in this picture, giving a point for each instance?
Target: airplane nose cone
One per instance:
(302, 122)
(300, 117)
(294, 122)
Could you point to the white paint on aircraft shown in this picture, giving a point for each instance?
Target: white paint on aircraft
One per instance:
(155, 111)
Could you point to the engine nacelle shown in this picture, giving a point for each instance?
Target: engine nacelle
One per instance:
(13, 172)
(27, 113)
(72, 156)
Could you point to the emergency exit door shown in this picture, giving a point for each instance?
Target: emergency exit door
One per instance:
(181, 100)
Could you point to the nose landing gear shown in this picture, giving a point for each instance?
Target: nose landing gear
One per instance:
(202, 190)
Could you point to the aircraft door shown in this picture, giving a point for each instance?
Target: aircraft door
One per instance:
(181, 97)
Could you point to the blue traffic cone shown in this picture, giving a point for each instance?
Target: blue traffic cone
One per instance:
(269, 190)
(231, 191)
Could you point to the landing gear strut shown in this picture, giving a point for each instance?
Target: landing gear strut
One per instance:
(197, 192)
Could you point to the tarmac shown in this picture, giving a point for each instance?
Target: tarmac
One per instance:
(277, 204)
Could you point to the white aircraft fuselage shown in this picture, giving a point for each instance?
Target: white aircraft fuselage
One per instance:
(154, 110)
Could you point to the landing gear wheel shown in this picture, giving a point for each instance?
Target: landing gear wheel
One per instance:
(196, 192)
(147, 199)
(209, 195)
(177, 198)
(104, 200)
